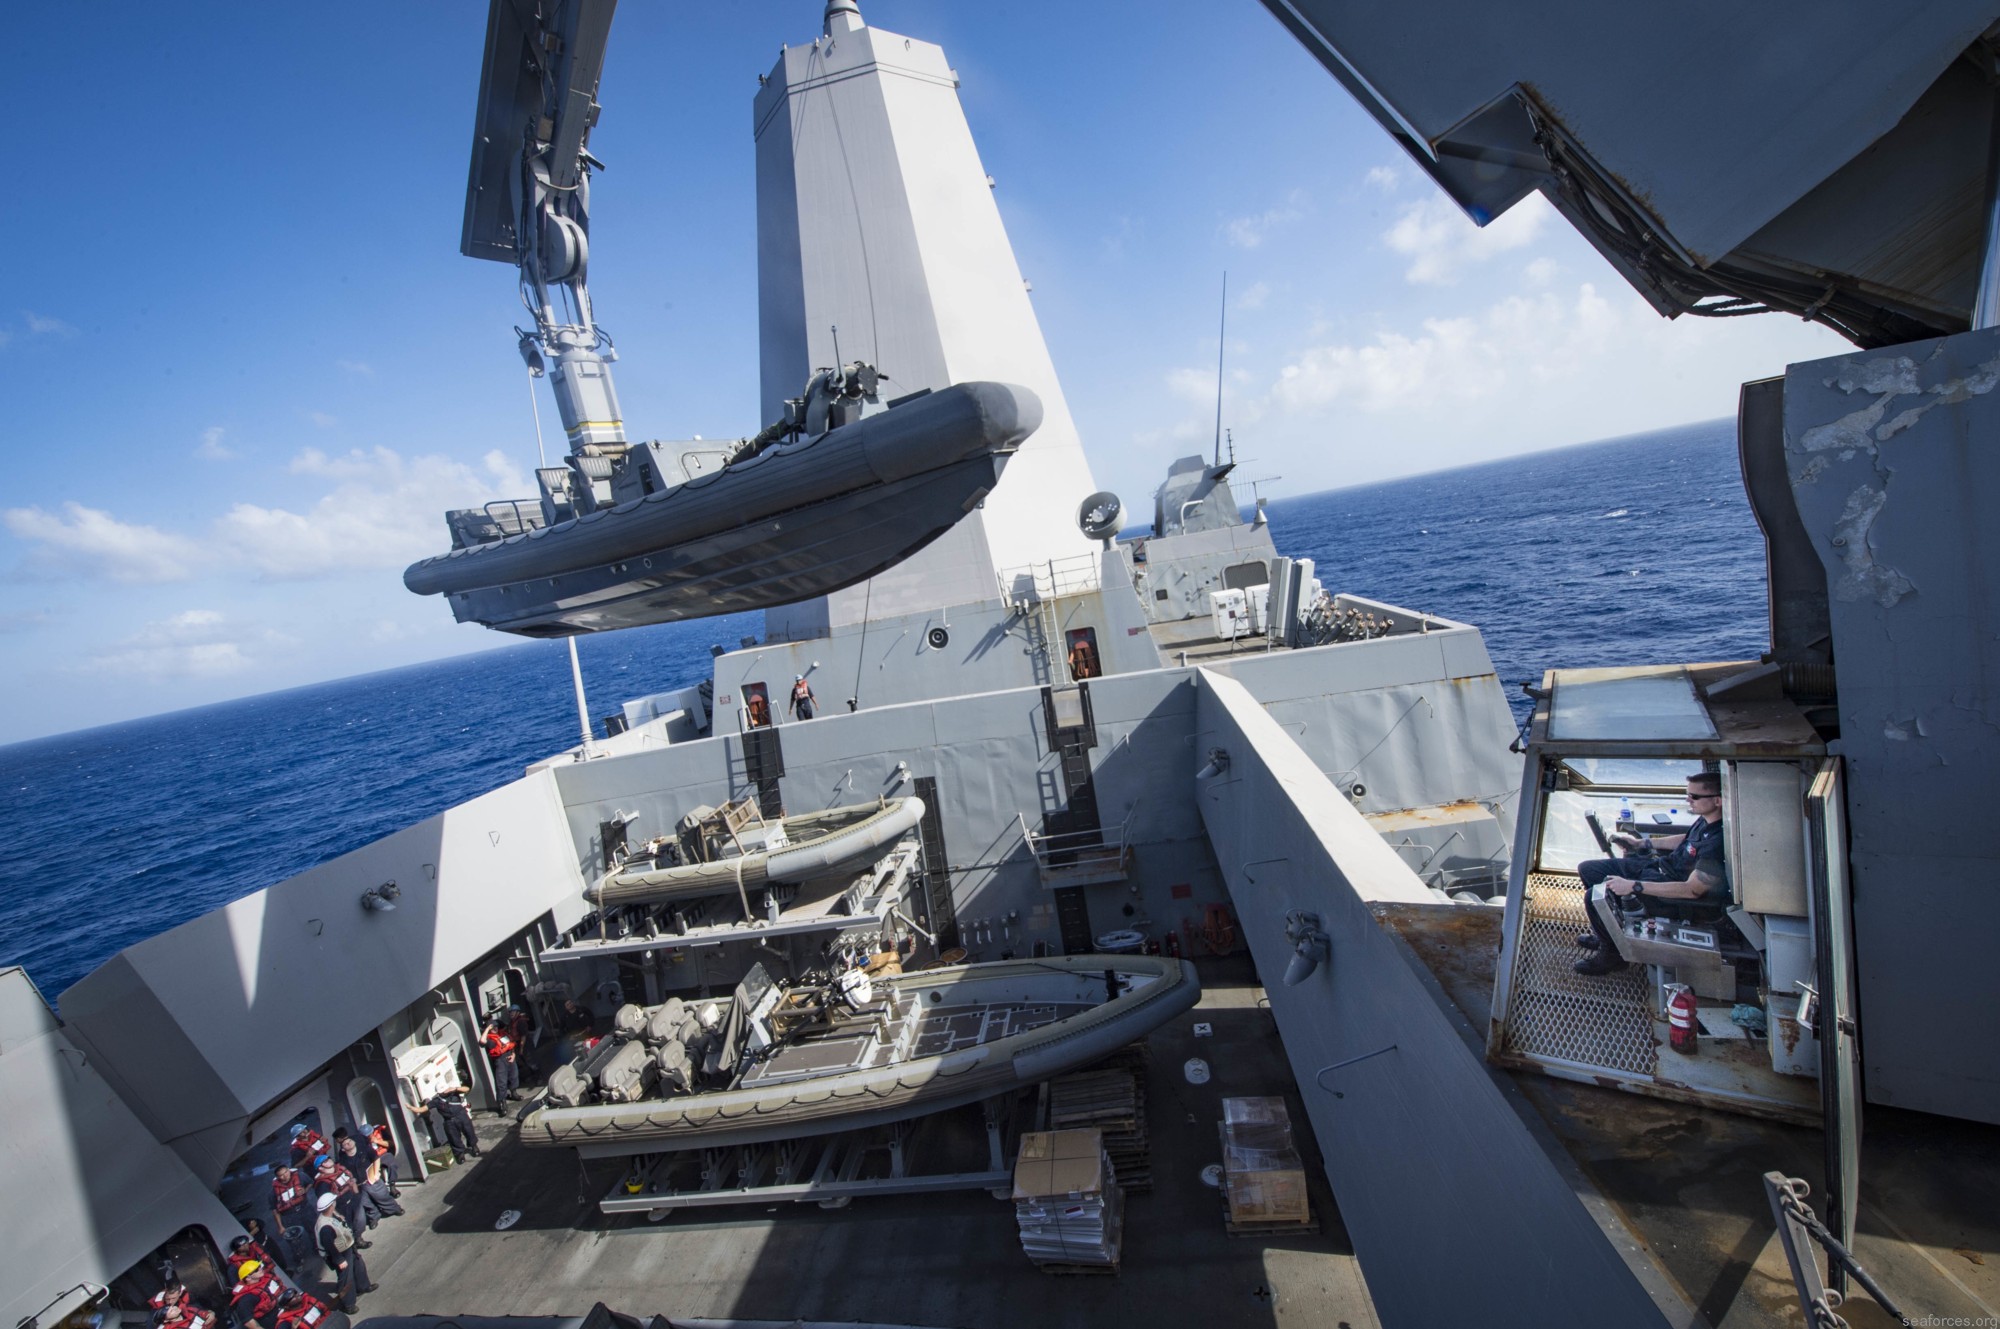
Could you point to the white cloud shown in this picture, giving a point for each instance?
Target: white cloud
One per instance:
(42, 326)
(384, 511)
(1457, 360)
(360, 367)
(211, 447)
(91, 542)
(1537, 368)
(1254, 296)
(1384, 178)
(1249, 232)
(1194, 385)
(322, 419)
(1541, 271)
(195, 643)
(1439, 240)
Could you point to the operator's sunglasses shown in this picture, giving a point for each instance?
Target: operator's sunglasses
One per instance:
(1696, 798)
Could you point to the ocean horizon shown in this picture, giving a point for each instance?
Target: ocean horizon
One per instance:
(1583, 554)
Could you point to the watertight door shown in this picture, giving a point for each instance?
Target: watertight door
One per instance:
(1839, 1044)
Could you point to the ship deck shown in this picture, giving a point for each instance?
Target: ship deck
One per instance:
(950, 1259)
(1684, 1183)
(873, 1036)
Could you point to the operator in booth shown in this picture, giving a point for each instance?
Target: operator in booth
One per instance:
(1671, 876)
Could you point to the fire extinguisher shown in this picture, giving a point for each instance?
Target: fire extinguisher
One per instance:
(1680, 1019)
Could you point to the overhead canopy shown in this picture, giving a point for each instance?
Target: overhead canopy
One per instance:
(1827, 158)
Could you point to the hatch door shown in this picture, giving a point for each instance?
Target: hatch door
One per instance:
(1836, 1024)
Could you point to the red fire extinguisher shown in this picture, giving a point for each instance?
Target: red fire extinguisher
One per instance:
(1680, 1019)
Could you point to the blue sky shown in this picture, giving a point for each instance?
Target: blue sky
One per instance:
(246, 368)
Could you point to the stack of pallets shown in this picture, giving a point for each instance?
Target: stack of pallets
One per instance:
(1263, 1177)
(1112, 1098)
(1067, 1203)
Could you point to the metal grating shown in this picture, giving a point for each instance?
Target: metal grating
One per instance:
(1555, 1013)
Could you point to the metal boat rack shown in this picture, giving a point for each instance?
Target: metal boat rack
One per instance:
(828, 1170)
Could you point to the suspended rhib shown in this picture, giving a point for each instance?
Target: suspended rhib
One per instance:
(850, 481)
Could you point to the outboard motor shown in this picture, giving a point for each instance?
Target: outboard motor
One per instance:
(857, 989)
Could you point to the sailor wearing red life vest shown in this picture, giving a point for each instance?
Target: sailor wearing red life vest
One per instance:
(184, 1314)
(384, 1145)
(500, 1052)
(334, 1180)
(291, 1205)
(247, 1248)
(173, 1294)
(307, 1144)
(254, 1299)
(302, 1310)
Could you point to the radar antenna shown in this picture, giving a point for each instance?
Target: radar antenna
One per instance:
(528, 199)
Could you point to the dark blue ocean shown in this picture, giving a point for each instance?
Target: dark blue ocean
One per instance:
(111, 835)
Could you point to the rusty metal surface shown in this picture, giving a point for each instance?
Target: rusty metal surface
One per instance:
(1459, 944)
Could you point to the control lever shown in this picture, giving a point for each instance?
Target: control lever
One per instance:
(1808, 1016)
(1597, 829)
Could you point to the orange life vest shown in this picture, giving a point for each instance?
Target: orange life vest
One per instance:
(337, 1179)
(287, 1196)
(308, 1314)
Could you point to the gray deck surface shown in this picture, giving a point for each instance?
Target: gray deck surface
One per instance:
(943, 1260)
(1687, 1181)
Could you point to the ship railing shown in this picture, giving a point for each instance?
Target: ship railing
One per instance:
(1082, 858)
(1050, 579)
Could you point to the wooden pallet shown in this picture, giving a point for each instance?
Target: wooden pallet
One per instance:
(1288, 1228)
(1110, 1097)
(1078, 1270)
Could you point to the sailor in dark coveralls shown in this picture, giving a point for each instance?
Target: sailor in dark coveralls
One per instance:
(1667, 874)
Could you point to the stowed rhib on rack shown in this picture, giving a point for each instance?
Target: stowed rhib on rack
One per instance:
(734, 847)
(849, 1048)
(850, 1041)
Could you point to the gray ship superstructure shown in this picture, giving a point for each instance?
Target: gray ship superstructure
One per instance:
(1186, 740)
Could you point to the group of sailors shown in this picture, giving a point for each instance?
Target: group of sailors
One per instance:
(260, 1298)
(334, 1193)
(331, 1193)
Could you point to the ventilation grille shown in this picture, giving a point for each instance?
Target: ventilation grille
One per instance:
(1555, 1013)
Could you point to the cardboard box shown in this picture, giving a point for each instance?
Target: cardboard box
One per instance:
(1263, 1176)
(1059, 1164)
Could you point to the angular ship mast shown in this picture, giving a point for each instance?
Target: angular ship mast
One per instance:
(843, 484)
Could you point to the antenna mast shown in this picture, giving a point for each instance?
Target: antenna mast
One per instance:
(1222, 343)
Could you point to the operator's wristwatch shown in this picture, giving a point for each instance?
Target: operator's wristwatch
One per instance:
(1638, 888)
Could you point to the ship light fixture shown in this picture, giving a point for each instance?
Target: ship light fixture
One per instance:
(381, 899)
(1218, 762)
(1310, 946)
